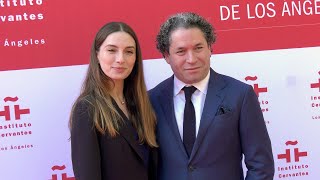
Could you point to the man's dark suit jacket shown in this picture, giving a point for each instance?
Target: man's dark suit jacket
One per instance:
(101, 157)
(231, 126)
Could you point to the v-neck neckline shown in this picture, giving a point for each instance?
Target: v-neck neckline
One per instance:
(122, 114)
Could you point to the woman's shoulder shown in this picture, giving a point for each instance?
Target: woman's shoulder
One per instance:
(82, 115)
(82, 105)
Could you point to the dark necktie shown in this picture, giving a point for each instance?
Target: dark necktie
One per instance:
(189, 120)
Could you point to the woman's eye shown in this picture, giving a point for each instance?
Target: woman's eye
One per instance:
(130, 52)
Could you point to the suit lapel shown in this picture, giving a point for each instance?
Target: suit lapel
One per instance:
(166, 99)
(214, 98)
(129, 133)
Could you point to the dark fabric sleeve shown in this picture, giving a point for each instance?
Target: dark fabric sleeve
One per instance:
(153, 164)
(256, 144)
(84, 145)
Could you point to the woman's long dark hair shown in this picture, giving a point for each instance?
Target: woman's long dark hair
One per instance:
(97, 87)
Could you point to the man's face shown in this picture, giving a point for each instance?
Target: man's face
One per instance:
(189, 55)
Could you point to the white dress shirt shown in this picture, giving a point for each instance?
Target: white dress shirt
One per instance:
(198, 98)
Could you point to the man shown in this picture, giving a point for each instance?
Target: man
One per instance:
(205, 136)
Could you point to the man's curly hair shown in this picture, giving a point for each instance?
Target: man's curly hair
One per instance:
(183, 20)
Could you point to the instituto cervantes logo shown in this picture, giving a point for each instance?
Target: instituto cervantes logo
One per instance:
(315, 99)
(62, 175)
(259, 91)
(294, 159)
(14, 123)
(256, 87)
(21, 11)
(17, 110)
(316, 85)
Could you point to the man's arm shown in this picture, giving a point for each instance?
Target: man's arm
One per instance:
(255, 141)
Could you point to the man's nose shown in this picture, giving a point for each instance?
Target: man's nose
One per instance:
(191, 57)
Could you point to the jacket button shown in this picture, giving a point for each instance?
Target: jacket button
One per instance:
(191, 168)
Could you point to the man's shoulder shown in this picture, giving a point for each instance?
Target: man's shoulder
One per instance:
(161, 86)
(232, 82)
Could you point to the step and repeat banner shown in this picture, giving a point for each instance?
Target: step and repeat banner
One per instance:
(44, 51)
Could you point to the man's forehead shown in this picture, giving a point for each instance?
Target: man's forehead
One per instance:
(189, 36)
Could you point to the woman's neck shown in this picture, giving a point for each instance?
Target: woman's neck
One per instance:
(118, 96)
(117, 92)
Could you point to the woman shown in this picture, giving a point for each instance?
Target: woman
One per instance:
(112, 123)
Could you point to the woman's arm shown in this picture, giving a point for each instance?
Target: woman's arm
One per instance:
(84, 145)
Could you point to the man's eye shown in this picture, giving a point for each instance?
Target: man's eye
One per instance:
(180, 52)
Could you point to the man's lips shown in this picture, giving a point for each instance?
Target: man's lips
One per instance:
(191, 68)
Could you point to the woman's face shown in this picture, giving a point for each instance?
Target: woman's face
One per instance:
(117, 55)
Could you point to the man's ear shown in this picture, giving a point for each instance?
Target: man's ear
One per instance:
(166, 57)
(210, 47)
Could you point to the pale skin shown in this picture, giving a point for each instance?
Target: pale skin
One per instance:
(117, 56)
(189, 55)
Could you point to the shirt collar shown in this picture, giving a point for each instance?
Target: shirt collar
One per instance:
(202, 85)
